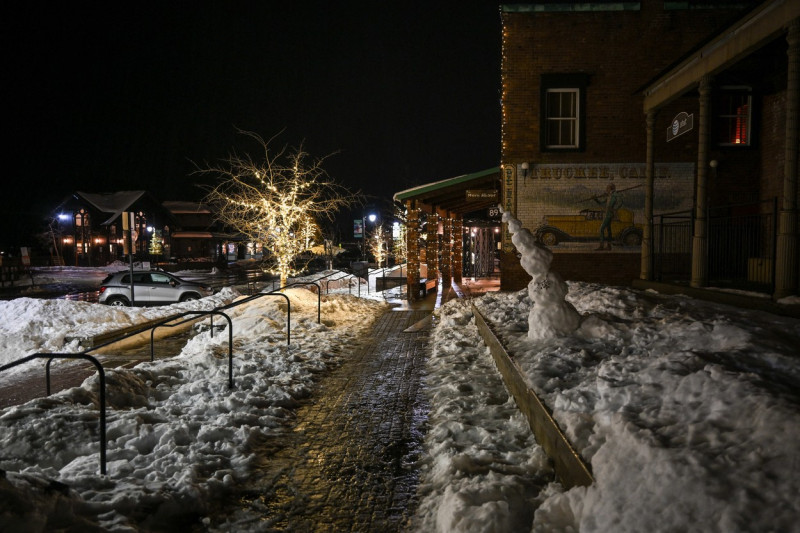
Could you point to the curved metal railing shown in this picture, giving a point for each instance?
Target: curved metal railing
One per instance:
(102, 377)
(167, 324)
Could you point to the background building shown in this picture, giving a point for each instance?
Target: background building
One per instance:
(86, 228)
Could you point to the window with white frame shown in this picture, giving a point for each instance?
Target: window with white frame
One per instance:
(562, 109)
(562, 115)
(733, 117)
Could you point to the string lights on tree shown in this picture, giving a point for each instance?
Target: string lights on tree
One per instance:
(277, 200)
(156, 243)
(377, 245)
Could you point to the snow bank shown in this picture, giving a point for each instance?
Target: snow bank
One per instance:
(178, 439)
(30, 325)
(687, 411)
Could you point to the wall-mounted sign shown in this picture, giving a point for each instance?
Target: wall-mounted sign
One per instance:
(682, 123)
(482, 194)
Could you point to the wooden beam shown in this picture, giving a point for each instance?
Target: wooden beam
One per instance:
(570, 468)
(752, 32)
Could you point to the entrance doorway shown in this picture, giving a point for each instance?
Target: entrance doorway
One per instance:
(481, 250)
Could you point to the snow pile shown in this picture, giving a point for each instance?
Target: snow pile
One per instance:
(484, 470)
(179, 439)
(551, 315)
(29, 325)
(687, 412)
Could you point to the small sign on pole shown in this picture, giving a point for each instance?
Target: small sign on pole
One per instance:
(128, 244)
(26, 256)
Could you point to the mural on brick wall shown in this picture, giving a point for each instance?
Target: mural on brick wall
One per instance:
(597, 207)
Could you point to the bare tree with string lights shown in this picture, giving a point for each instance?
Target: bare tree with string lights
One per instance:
(378, 245)
(276, 199)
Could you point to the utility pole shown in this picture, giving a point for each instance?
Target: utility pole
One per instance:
(129, 245)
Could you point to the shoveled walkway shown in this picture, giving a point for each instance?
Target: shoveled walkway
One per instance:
(348, 465)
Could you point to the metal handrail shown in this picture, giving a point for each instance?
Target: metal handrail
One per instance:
(325, 276)
(359, 280)
(102, 376)
(686, 213)
(259, 295)
(319, 295)
(344, 273)
(166, 324)
(101, 372)
(328, 281)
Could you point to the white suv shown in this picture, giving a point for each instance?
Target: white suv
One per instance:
(150, 287)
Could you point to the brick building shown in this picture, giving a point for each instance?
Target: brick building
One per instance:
(685, 108)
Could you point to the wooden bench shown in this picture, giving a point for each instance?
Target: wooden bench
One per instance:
(426, 285)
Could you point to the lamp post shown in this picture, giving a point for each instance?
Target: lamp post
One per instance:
(371, 217)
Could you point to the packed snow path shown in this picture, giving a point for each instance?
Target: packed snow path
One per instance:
(348, 463)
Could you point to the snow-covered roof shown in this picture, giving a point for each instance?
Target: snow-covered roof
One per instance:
(112, 202)
(441, 184)
(453, 194)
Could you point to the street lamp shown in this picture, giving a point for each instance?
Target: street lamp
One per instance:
(372, 217)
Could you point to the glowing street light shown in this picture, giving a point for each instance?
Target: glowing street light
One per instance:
(372, 217)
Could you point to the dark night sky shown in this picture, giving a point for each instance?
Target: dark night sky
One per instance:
(124, 95)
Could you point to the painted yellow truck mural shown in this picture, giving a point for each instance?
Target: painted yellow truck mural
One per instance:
(585, 226)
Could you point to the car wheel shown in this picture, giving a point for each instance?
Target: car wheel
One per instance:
(632, 238)
(117, 301)
(548, 238)
(190, 297)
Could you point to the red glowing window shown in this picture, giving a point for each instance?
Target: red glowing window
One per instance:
(734, 117)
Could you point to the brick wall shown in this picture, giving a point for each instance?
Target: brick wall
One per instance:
(608, 268)
(621, 52)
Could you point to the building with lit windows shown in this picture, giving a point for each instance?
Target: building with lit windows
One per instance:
(86, 229)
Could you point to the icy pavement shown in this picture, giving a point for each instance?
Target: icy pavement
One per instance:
(349, 463)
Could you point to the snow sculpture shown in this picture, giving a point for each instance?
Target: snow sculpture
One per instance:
(551, 315)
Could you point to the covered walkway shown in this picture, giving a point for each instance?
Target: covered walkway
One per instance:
(436, 214)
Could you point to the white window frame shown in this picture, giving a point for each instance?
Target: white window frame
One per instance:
(574, 121)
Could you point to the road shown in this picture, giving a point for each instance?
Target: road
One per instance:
(86, 289)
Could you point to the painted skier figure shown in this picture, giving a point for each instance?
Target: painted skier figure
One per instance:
(612, 203)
